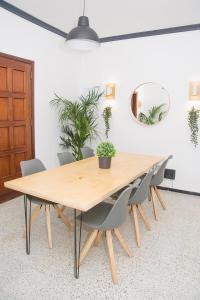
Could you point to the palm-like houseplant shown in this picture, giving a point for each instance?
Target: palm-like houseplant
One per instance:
(78, 120)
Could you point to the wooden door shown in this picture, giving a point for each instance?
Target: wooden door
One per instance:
(16, 117)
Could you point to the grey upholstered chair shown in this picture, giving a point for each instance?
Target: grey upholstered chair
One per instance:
(138, 195)
(32, 166)
(87, 152)
(156, 180)
(134, 184)
(65, 158)
(106, 217)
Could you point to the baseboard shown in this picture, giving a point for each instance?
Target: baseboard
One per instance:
(178, 191)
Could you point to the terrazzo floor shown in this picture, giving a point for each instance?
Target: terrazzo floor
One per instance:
(167, 266)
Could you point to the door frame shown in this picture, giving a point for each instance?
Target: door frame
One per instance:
(13, 194)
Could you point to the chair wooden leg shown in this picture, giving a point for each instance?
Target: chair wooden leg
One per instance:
(153, 204)
(111, 255)
(64, 218)
(48, 221)
(62, 209)
(34, 217)
(122, 242)
(88, 245)
(98, 238)
(162, 203)
(141, 211)
(136, 225)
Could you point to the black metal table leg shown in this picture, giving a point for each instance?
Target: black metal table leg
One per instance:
(27, 223)
(77, 249)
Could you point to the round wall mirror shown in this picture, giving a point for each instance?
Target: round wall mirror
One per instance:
(150, 103)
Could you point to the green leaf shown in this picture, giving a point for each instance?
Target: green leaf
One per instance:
(106, 149)
(155, 114)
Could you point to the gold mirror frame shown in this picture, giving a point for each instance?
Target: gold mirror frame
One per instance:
(135, 92)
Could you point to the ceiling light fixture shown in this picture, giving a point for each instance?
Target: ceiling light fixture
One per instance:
(83, 37)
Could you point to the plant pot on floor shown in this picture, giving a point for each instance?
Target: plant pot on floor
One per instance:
(104, 162)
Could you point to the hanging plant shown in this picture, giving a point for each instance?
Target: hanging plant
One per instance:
(193, 118)
(107, 114)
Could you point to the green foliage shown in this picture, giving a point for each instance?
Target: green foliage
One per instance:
(78, 120)
(155, 114)
(107, 114)
(193, 118)
(106, 149)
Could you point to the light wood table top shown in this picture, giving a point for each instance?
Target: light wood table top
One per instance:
(82, 184)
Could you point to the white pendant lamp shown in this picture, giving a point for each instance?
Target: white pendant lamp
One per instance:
(83, 37)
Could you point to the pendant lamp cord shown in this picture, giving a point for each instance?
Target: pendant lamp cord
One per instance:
(83, 7)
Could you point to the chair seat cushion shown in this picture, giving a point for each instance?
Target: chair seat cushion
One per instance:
(39, 201)
(96, 215)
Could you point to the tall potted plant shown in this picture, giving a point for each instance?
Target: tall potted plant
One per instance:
(105, 151)
(78, 120)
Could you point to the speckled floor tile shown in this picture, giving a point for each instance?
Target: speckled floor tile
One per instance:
(167, 266)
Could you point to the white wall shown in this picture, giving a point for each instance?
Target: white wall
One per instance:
(56, 70)
(171, 60)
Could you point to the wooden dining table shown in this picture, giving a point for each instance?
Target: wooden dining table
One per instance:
(81, 185)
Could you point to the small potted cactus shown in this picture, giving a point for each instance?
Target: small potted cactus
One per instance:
(105, 151)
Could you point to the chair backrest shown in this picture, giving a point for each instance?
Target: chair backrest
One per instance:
(65, 158)
(87, 152)
(140, 193)
(32, 166)
(159, 175)
(118, 212)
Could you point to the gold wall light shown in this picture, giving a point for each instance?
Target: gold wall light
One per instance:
(194, 90)
(110, 91)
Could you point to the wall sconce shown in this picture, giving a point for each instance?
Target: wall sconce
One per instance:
(110, 91)
(194, 90)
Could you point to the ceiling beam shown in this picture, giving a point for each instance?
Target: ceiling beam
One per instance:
(150, 33)
(21, 13)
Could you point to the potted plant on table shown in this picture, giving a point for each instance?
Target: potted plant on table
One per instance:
(105, 151)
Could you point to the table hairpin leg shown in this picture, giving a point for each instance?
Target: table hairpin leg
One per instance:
(27, 222)
(77, 249)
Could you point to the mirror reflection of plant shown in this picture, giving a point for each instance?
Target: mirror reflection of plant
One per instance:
(193, 118)
(107, 114)
(155, 114)
(78, 120)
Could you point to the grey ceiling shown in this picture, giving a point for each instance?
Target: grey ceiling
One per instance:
(114, 17)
